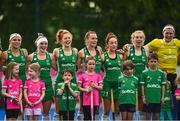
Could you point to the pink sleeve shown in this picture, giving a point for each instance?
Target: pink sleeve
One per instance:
(21, 84)
(5, 83)
(177, 92)
(102, 74)
(99, 79)
(43, 86)
(80, 79)
(26, 84)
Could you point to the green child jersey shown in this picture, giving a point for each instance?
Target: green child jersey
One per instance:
(153, 81)
(45, 74)
(140, 64)
(167, 99)
(127, 89)
(21, 60)
(97, 59)
(67, 100)
(66, 62)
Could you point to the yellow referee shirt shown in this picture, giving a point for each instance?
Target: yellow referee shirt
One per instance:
(167, 53)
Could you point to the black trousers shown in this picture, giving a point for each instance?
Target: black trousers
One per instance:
(171, 78)
(87, 112)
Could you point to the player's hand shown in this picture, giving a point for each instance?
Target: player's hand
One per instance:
(144, 99)
(126, 47)
(162, 100)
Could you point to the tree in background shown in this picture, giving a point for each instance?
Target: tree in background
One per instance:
(122, 17)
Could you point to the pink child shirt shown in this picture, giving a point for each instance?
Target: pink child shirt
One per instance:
(177, 92)
(34, 92)
(85, 80)
(12, 88)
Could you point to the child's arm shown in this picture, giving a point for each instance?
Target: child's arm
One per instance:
(41, 98)
(26, 98)
(20, 96)
(60, 90)
(178, 97)
(75, 94)
(143, 94)
(97, 86)
(6, 94)
(87, 90)
(162, 93)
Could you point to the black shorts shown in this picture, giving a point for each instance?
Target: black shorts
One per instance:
(64, 115)
(127, 108)
(12, 113)
(152, 108)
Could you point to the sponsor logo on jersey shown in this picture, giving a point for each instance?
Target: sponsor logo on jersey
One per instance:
(65, 98)
(34, 94)
(68, 64)
(128, 91)
(113, 68)
(153, 86)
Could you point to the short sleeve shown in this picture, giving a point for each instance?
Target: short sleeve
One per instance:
(59, 85)
(99, 79)
(154, 44)
(43, 86)
(4, 85)
(80, 79)
(163, 81)
(177, 43)
(20, 83)
(136, 82)
(26, 85)
(142, 79)
(75, 88)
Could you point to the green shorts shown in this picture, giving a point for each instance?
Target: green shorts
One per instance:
(107, 86)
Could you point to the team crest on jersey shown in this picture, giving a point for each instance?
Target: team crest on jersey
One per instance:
(159, 78)
(132, 83)
(22, 58)
(149, 79)
(131, 54)
(48, 62)
(73, 60)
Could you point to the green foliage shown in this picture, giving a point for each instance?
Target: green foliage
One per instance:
(28, 17)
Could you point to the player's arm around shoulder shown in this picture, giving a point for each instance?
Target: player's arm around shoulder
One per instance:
(29, 58)
(25, 52)
(80, 57)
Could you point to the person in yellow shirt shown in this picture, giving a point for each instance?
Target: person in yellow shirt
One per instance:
(167, 50)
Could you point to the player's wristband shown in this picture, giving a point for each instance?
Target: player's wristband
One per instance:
(12, 97)
(87, 90)
(143, 96)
